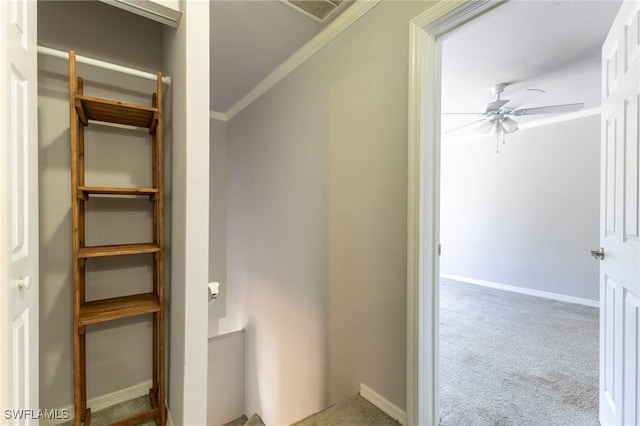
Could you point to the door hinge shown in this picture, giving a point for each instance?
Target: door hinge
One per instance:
(439, 249)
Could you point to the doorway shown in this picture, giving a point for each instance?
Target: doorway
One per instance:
(520, 212)
(424, 194)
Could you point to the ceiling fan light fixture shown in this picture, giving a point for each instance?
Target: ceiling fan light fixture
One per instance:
(509, 125)
(497, 116)
(487, 126)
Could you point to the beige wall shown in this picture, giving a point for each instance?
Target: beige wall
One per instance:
(317, 196)
(118, 353)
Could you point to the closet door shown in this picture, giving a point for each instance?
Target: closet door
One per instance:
(19, 212)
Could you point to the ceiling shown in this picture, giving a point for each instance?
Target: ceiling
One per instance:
(248, 40)
(548, 45)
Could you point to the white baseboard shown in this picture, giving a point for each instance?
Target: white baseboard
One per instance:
(523, 290)
(169, 418)
(379, 401)
(105, 401)
(225, 335)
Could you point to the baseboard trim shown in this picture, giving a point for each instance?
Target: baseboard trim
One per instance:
(169, 418)
(105, 401)
(225, 335)
(523, 290)
(382, 403)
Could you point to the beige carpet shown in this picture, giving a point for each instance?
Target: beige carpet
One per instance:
(355, 411)
(506, 359)
(119, 412)
(511, 359)
(254, 420)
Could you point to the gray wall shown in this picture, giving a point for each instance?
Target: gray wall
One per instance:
(119, 353)
(528, 216)
(225, 378)
(174, 41)
(187, 60)
(316, 224)
(218, 221)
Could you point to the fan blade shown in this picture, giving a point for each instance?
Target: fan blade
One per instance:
(552, 109)
(462, 113)
(525, 97)
(462, 127)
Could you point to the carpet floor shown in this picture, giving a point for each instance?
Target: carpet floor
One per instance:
(505, 360)
(355, 411)
(512, 359)
(119, 412)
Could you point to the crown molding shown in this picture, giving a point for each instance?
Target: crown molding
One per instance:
(341, 23)
(216, 115)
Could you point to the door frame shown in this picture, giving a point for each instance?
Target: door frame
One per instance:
(423, 200)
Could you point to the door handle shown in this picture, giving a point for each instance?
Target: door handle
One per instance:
(598, 254)
(24, 282)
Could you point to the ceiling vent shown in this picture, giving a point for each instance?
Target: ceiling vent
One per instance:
(319, 10)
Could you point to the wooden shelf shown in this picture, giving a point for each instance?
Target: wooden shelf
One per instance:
(90, 108)
(117, 250)
(85, 191)
(118, 307)
(83, 111)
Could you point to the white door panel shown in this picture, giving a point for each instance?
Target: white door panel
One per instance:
(19, 236)
(620, 221)
(631, 326)
(607, 305)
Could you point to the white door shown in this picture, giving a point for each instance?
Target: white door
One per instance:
(620, 221)
(19, 216)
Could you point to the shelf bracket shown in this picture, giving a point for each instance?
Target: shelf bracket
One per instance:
(82, 195)
(81, 113)
(154, 123)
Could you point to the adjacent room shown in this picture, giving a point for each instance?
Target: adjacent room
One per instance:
(520, 188)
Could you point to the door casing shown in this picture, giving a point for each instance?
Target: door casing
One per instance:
(425, 31)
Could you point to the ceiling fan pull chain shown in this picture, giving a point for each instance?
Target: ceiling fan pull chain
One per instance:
(497, 143)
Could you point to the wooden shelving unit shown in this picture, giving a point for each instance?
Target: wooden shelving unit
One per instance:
(118, 307)
(117, 250)
(85, 313)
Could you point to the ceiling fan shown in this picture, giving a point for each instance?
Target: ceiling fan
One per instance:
(496, 115)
